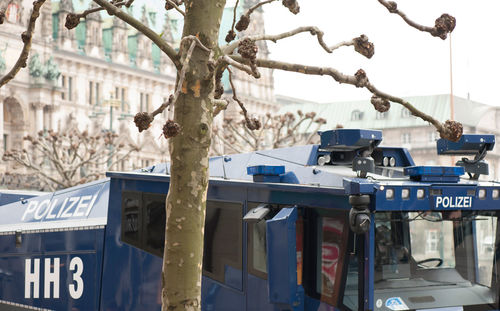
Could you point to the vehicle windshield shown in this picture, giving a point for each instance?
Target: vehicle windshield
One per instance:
(435, 259)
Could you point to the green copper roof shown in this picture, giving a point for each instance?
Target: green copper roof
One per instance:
(467, 112)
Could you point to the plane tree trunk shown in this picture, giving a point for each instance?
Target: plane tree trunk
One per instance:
(186, 199)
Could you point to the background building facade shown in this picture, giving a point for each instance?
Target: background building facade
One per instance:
(97, 76)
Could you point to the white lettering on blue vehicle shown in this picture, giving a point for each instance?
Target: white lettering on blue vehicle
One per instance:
(51, 286)
(454, 202)
(71, 207)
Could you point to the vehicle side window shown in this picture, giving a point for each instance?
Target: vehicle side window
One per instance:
(143, 226)
(154, 220)
(131, 218)
(328, 231)
(257, 255)
(257, 252)
(222, 254)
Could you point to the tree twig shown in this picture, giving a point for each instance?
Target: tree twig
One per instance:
(258, 5)
(162, 44)
(234, 15)
(176, 7)
(73, 19)
(313, 30)
(443, 25)
(26, 37)
(219, 105)
(252, 124)
(229, 61)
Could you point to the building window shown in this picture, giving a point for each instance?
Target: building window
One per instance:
(120, 95)
(63, 86)
(141, 102)
(356, 115)
(67, 87)
(144, 102)
(94, 93)
(405, 113)
(97, 92)
(5, 140)
(381, 115)
(91, 93)
(406, 138)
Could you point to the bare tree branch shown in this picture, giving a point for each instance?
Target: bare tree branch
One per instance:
(443, 25)
(253, 123)
(359, 42)
(176, 7)
(162, 44)
(249, 70)
(26, 37)
(244, 20)
(219, 105)
(449, 130)
(73, 19)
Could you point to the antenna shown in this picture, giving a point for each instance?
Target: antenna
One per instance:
(452, 104)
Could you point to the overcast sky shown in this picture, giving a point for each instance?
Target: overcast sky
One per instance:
(406, 61)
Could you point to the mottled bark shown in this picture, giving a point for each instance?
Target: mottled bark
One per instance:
(186, 200)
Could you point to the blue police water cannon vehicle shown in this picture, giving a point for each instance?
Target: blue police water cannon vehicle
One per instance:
(343, 225)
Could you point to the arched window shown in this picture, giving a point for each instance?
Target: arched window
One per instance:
(356, 115)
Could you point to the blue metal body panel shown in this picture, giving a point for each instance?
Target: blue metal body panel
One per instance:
(10, 196)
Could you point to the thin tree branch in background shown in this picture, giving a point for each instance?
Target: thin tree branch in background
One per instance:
(254, 123)
(244, 20)
(162, 44)
(73, 19)
(231, 34)
(450, 130)
(443, 24)
(175, 6)
(361, 43)
(26, 37)
(62, 160)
